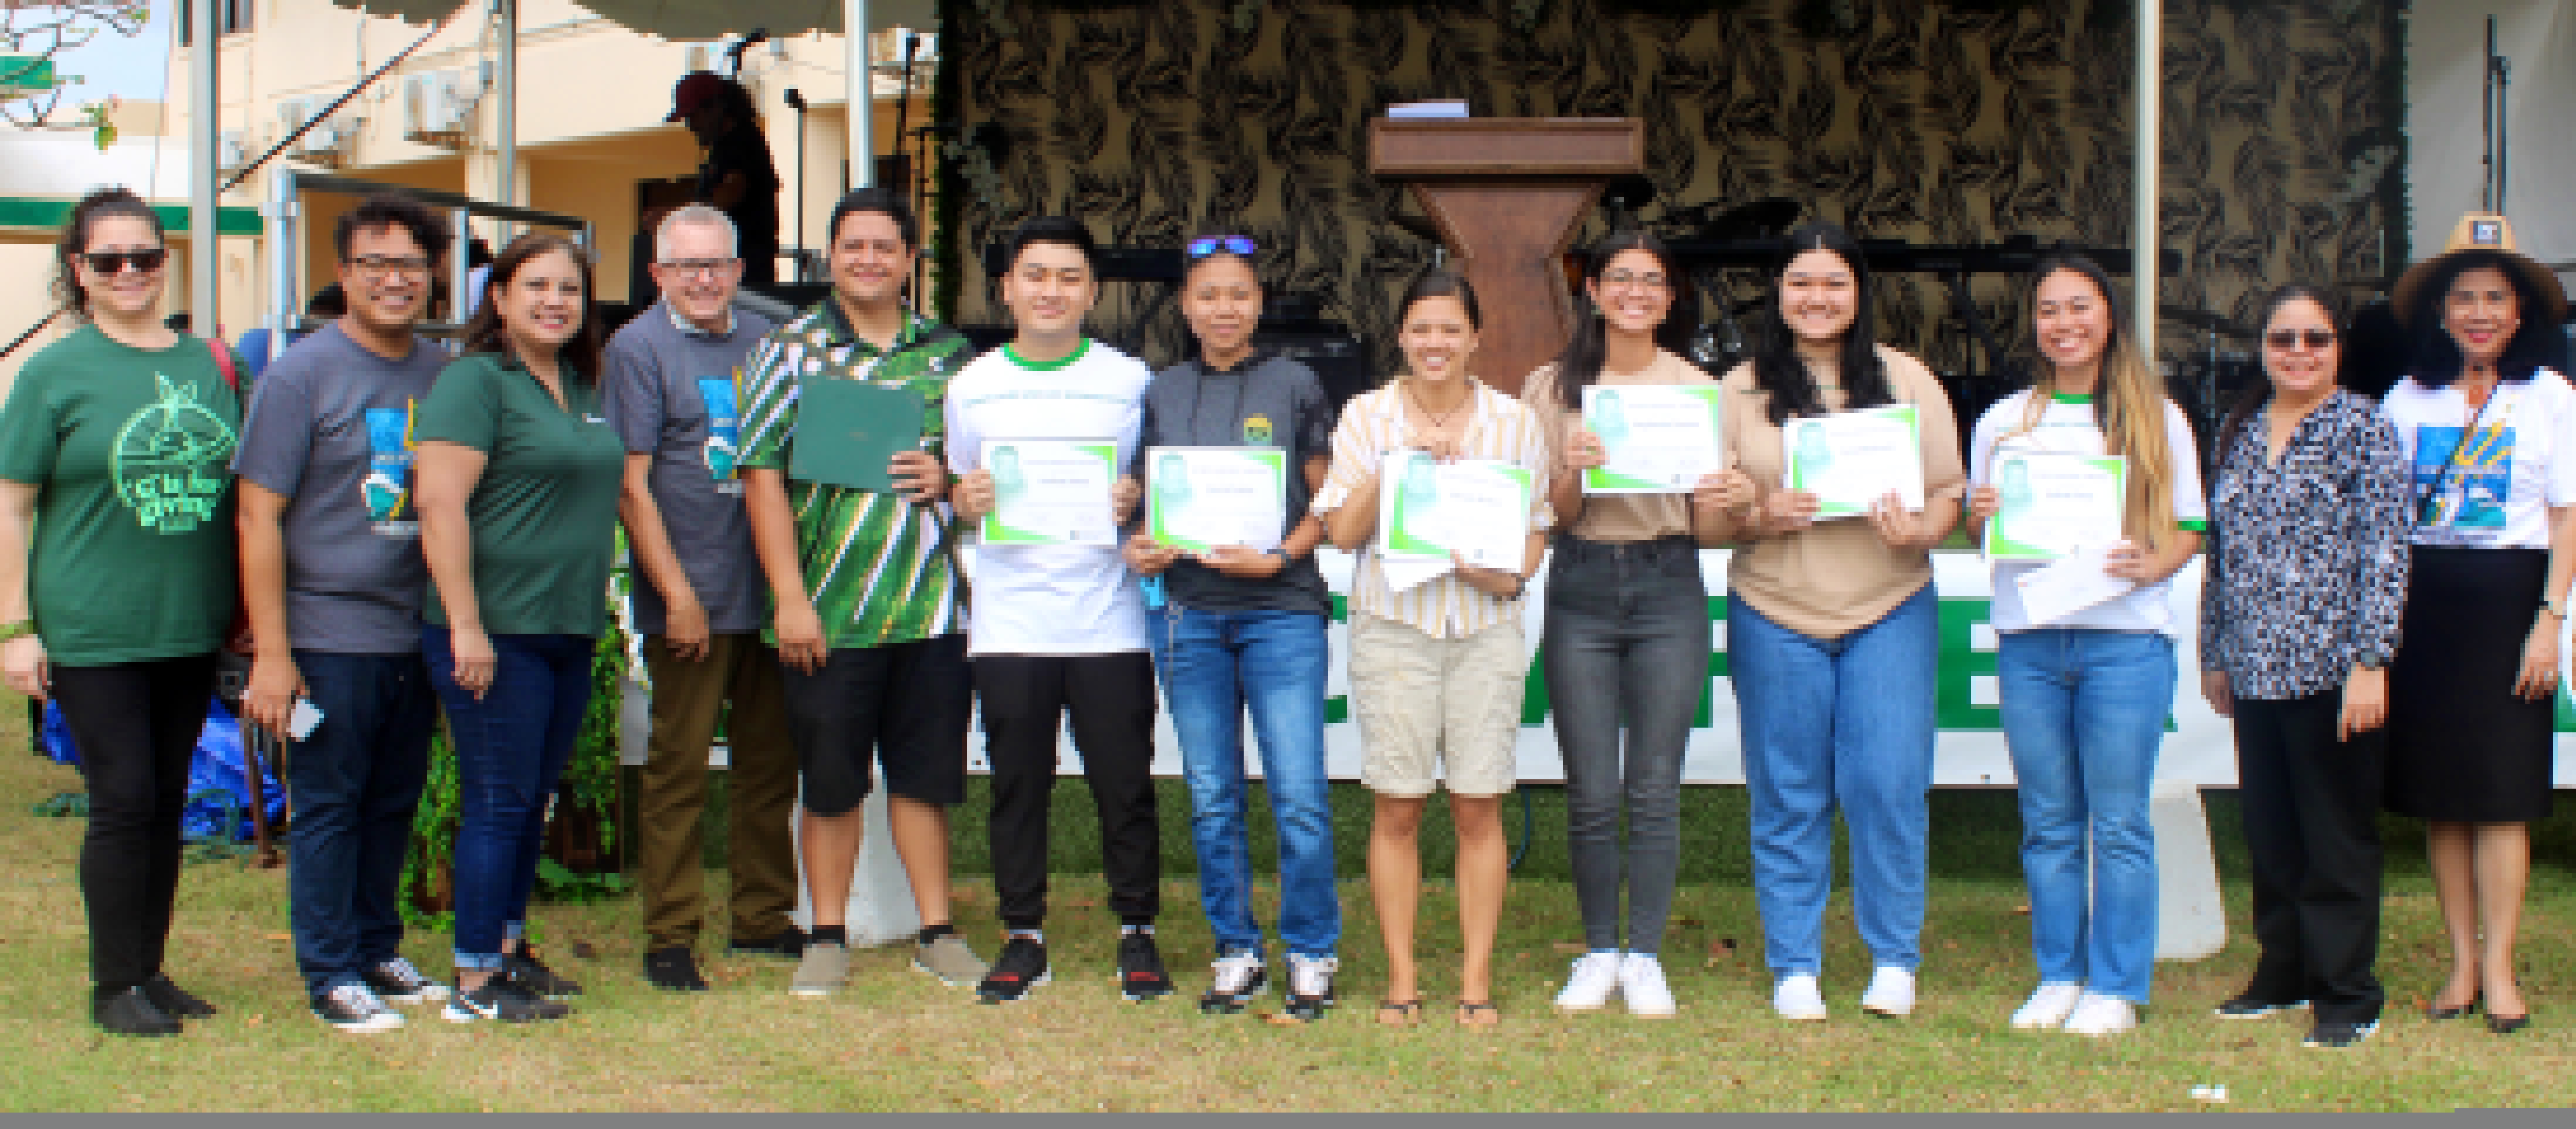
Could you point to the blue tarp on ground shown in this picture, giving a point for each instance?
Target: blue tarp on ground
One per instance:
(217, 783)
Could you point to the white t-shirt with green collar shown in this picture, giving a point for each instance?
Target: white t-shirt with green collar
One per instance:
(2066, 426)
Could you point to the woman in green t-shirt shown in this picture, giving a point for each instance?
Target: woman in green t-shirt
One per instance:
(518, 478)
(116, 578)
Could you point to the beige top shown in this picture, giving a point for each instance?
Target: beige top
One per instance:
(1373, 424)
(1614, 517)
(1835, 577)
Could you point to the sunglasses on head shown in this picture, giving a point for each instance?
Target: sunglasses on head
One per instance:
(1231, 244)
(115, 262)
(2289, 338)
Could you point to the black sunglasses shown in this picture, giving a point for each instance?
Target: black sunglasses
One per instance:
(2289, 338)
(115, 262)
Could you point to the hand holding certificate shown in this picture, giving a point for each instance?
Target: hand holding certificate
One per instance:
(2051, 505)
(1050, 492)
(1200, 498)
(2076, 582)
(1849, 460)
(1656, 439)
(1477, 509)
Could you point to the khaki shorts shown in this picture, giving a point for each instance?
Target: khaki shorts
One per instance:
(1427, 703)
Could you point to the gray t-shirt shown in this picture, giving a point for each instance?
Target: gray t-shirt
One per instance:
(1268, 401)
(330, 429)
(671, 393)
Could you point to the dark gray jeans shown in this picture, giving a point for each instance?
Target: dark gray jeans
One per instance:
(1627, 636)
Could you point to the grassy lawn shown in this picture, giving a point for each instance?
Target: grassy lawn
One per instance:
(897, 1040)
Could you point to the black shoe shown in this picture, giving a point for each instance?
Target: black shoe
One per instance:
(503, 999)
(396, 982)
(674, 969)
(788, 944)
(2340, 1036)
(525, 970)
(1021, 966)
(2438, 1012)
(130, 1012)
(355, 1008)
(176, 1001)
(1240, 976)
(2250, 1006)
(1140, 969)
(2507, 1024)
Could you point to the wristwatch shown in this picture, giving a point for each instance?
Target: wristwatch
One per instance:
(17, 630)
(2371, 660)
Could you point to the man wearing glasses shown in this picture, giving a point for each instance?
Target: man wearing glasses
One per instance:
(671, 391)
(333, 578)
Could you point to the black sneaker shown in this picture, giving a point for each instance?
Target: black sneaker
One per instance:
(503, 999)
(1239, 978)
(354, 1007)
(674, 969)
(1140, 969)
(1021, 966)
(130, 1012)
(2254, 1007)
(176, 1001)
(788, 944)
(1310, 986)
(525, 970)
(2340, 1036)
(397, 982)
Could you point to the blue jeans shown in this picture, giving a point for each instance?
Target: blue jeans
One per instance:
(354, 784)
(2084, 712)
(511, 747)
(1841, 723)
(1214, 664)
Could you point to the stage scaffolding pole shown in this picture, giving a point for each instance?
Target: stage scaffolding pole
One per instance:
(2144, 231)
(863, 97)
(204, 127)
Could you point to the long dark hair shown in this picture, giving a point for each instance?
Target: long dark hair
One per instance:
(2537, 343)
(1578, 365)
(74, 240)
(483, 333)
(2251, 399)
(1776, 367)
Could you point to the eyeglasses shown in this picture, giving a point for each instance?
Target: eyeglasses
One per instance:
(1632, 278)
(696, 268)
(2289, 338)
(115, 262)
(391, 264)
(1230, 244)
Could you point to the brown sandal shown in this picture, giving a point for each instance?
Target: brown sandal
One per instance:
(1478, 1013)
(1399, 1013)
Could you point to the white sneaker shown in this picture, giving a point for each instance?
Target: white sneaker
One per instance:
(1891, 992)
(1642, 987)
(1798, 997)
(1589, 986)
(2048, 1007)
(2102, 1016)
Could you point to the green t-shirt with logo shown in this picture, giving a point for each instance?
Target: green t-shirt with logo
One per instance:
(129, 451)
(544, 513)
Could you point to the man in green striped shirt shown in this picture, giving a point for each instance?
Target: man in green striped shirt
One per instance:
(870, 618)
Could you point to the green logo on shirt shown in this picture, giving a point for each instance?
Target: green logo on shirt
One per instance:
(169, 461)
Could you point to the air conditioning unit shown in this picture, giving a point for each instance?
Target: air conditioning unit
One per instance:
(329, 142)
(232, 151)
(438, 108)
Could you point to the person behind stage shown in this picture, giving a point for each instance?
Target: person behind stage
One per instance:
(2299, 604)
(1059, 629)
(1436, 668)
(117, 578)
(333, 577)
(519, 478)
(870, 607)
(2488, 426)
(1626, 634)
(2084, 697)
(1244, 628)
(670, 391)
(1834, 632)
(738, 177)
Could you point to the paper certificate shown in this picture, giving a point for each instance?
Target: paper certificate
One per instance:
(1198, 498)
(1050, 492)
(1476, 508)
(1849, 460)
(2053, 504)
(1659, 439)
(2076, 582)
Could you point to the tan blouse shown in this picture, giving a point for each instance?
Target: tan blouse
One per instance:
(1838, 576)
(1619, 518)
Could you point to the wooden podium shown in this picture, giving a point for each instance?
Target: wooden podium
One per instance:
(1505, 194)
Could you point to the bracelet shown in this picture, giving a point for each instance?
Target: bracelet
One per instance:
(17, 629)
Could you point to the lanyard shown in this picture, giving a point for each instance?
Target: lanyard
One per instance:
(2427, 498)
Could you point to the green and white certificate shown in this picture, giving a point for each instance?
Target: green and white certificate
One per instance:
(2054, 504)
(1476, 508)
(1659, 438)
(1198, 498)
(1051, 491)
(1849, 460)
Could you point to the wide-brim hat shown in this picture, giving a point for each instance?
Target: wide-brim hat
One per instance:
(2490, 235)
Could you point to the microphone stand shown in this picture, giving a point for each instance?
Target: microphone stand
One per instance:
(911, 187)
(2498, 80)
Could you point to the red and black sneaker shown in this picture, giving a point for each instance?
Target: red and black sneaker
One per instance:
(1021, 966)
(1140, 969)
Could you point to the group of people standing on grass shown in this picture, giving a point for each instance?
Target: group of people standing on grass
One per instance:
(411, 532)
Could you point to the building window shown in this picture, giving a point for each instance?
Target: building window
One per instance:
(230, 16)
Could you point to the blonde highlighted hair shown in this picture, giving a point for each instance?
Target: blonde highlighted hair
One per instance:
(2129, 407)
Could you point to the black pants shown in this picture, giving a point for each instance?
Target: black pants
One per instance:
(1112, 701)
(2311, 806)
(136, 726)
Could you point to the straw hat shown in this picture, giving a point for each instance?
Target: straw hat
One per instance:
(2492, 235)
